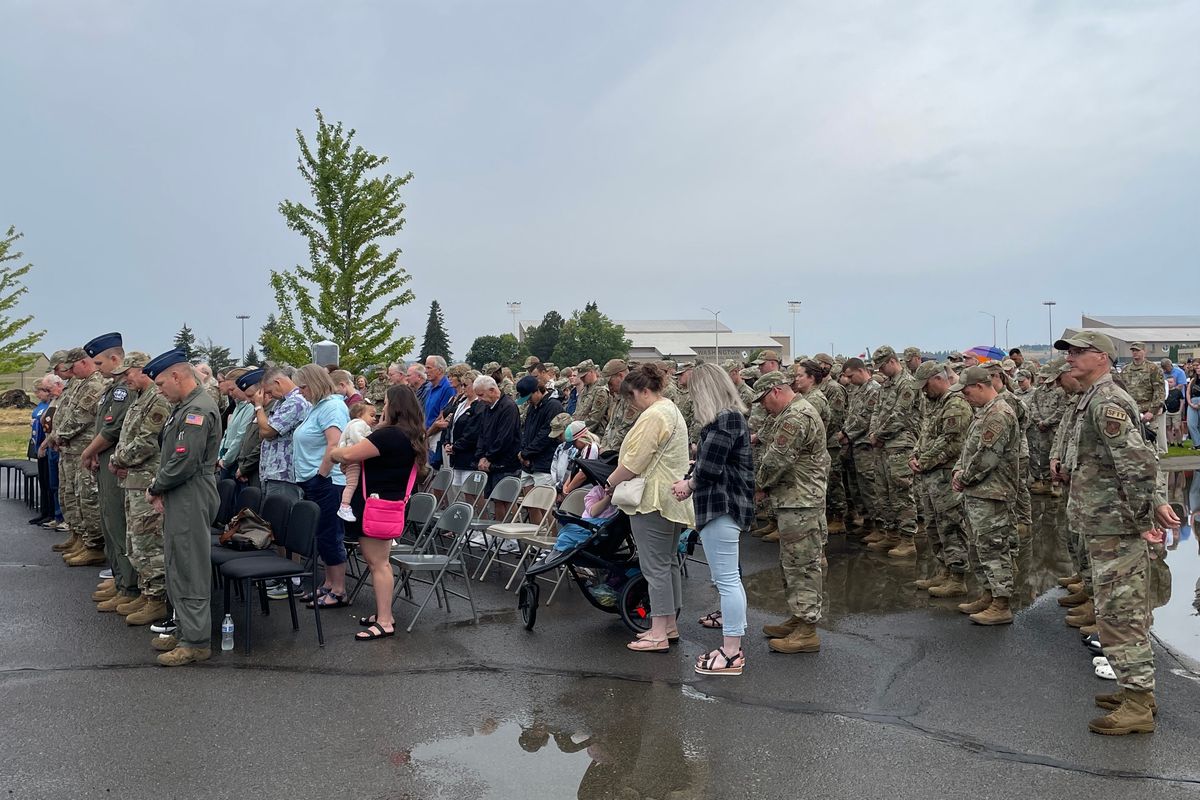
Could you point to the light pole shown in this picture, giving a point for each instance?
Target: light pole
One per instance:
(716, 335)
(793, 309)
(1050, 304)
(993, 316)
(514, 308)
(243, 318)
(1006, 334)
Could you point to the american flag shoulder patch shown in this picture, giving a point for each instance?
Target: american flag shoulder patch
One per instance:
(194, 419)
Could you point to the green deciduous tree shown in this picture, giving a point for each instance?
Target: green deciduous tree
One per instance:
(351, 288)
(15, 340)
(543, 338)
(503, 349)
(185, 340)
(590, 334)
(437, 341)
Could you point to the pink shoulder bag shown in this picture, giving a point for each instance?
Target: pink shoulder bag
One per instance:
(384, 519)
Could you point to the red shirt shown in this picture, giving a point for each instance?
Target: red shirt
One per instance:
(354, 398)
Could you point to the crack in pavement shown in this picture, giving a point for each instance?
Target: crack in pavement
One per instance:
(898, 720)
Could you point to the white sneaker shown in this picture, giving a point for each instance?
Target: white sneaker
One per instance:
(105, 574)
(345, 513)
(1105, 671)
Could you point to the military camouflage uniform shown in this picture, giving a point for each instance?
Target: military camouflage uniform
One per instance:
(138, 455)
(79, 493)
(835, 395)
(793, 470)
(593, 406)
(1112, 499)
(377, 392)
(1147, 386)
(862, 402)
(988, 474)
(1024, 506)
(946, 422)
(1063, 450)
(895, 424)
(110, 416)
(508, 387)
(746, 393)
(621, 417)
(1046, 407)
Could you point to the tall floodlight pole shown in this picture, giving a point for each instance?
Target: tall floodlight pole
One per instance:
(1050, 304)
(514, 308)
(993, 316)
(1006, 334)
(716, 335)
(793, 309)
(243, 318)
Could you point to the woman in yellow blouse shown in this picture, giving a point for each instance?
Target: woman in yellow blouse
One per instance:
(656, 449)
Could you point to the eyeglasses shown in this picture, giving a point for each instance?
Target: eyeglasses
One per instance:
(1078, 351)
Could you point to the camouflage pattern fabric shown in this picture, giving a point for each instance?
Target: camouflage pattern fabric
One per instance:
(145, 544)
(944, 428)
(802, 537)
(991, 527)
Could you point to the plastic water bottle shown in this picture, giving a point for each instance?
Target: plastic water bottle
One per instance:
(227, 633)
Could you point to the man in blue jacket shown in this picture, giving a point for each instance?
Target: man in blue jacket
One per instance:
(537, 445)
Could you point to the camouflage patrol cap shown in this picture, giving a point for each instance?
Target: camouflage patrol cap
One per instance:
(587, 365)
(490, 367)
(971, 376)
(882, 355)
(729, 365)
(1137, 345)
(824, 358)
(132, 359)
(614, 366)
(993, 366)
(927, 370)
(58, 357)
(1008, 364)
(768, 382)
(683, 367)
(75, 354)
(769, 355)
(956, 357)
(1093, 340)
(529, 362)
(1024, 373)
(910, 352)
(750, 374)
(559, 423)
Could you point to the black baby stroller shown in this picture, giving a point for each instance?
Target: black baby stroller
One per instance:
(604, 565)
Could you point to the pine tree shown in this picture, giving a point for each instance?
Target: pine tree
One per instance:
(185, 340)
(437, 341)
(251, 358)
(217, 357)
(15, 341)
(265, 339)
(351, 289)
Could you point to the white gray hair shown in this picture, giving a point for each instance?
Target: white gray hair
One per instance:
(50, 380)
(712, 392)
(419, 368)
(439, 363)
(484, 383)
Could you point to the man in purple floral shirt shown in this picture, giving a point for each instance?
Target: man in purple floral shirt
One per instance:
(276, 468)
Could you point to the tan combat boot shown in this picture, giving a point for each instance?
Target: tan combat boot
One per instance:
(100, 595)
(941, 577)
(75, 550)
(1088, 630)
(773, 536)
(853, 520)
(1073, 599)
(783, 629)
(164, 643)
(184, 655)
(974, 607)
(88, 557)
(1076, 587)
(125, 609)
(1134, 715)
(70, 544)
(890, 539)
(998, 613)
(836, 524)
(1039, 487)
(151, 610)
(1056, 490)
(873, 535)
(1111, 702)
(1082, 620)
(107, 583)
(906, 549)
(762, 530)
(952, 587)
(1067, 580)
(802, 640)
(110, 605)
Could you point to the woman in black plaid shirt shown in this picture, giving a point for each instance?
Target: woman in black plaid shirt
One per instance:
(721, 485)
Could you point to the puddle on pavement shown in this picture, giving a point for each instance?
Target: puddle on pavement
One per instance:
(596, 741)
(1177, 623)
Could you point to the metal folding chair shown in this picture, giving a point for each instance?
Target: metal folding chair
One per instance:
(418, 518)
(535, 544)
(456, 523)
(539, 498)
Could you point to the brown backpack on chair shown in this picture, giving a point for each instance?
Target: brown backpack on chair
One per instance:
(247, 531)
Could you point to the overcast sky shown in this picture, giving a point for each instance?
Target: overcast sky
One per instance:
(897, 167)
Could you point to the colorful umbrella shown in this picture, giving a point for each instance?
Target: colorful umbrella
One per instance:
(986, 353)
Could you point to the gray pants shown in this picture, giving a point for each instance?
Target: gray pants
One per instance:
(657, 541)
(112, 524)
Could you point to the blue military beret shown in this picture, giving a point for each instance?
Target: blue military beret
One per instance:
(251, 378)
(162, 362)
(104, 341)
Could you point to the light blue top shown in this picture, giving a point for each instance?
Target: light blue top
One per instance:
(308, 440)
(235, 432)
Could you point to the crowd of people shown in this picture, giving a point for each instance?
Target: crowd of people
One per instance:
(883, 446)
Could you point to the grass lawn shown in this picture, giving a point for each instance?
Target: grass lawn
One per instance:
(14, 432)
(1179, 450)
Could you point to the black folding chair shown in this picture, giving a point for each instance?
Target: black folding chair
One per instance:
(301, 540)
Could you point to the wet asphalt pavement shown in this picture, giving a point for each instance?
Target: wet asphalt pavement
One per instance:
(906, 699)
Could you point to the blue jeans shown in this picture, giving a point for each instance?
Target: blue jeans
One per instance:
(58, 515)
(720, 539)
(327, 496)
(1193, 423)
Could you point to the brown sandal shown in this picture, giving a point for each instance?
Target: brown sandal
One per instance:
(707, 664)
(648, 645)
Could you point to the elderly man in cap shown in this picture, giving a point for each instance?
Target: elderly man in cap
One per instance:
(894, 428)
(184, 490)
(74, 427)
(108, 355)
(947, 419)
(986, 475)
(134, 463)
(591, 407)
(791, 473)
(1114, 501)
(621, 413)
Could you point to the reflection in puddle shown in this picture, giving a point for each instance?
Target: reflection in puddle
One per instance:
(595, 742)
(1176, 623)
